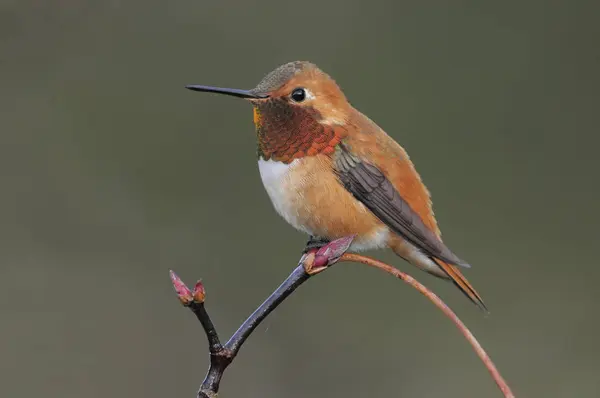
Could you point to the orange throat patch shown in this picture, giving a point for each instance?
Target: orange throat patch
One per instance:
(285, 133)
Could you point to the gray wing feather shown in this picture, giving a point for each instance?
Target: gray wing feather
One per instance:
(371, 187)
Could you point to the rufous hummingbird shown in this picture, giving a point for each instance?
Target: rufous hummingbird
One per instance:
(332, 172)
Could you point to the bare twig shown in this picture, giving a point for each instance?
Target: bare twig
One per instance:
(221, 356)
(487, 361)
(311, 263)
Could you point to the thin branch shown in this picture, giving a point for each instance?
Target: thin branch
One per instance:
(311, 263)
(296, 278)
(221, 356)
(197, 307)
(487, 361)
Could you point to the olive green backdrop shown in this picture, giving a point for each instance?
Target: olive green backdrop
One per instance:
(111, 173)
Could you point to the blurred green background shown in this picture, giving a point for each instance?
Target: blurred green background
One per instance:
(112, 173)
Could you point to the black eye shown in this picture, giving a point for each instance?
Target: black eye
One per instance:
(298, 95)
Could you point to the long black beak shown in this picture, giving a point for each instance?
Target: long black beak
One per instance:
(227, 91)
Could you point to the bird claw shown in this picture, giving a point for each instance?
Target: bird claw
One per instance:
(315, 242)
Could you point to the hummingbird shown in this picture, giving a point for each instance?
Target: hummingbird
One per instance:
(332, 172)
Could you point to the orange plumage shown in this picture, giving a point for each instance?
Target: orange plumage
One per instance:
(332, 172)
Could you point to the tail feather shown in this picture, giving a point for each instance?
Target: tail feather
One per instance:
(462, 283)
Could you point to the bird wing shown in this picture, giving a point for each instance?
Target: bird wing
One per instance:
(372, 188)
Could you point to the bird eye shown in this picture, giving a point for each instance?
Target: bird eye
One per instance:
(298, 95)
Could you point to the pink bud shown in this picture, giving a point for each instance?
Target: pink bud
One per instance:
(199, 292)
(317, 261)
(183, 292)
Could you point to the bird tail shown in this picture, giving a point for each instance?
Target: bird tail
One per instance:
(462, 283)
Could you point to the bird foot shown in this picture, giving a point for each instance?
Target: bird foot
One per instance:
(314, 243)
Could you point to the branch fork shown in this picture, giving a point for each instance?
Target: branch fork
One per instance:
(313, 262)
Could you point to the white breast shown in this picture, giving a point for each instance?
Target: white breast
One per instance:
(276, 178)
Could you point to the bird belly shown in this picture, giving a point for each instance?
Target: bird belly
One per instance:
(276, 178)
(308, 195)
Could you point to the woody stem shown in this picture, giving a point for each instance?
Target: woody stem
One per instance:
(221, 356)
(312, 262)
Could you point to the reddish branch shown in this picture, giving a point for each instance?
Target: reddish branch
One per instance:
(311, 263)
(487, 361)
